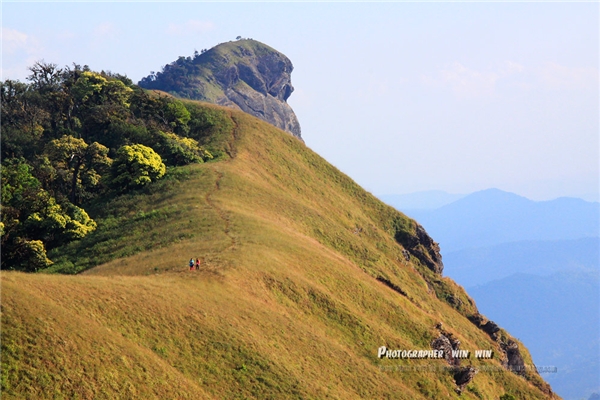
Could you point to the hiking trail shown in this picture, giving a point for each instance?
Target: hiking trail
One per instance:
(217, 186)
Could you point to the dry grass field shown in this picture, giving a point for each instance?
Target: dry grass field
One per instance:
(287, 303)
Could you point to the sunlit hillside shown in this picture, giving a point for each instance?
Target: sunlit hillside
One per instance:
(304, 276)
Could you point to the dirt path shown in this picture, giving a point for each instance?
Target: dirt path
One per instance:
(222, 213)
(209, 196)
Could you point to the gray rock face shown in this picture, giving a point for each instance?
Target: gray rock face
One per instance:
(514, 361)
(259, 82)
(245, 74)
(489, 327)
(432, 256)
(446, 345)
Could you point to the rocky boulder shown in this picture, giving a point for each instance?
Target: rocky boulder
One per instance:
(514, 360)
(445, 344)
(463, 376)
(489, 327)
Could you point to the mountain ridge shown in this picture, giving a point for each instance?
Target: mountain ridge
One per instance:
(428, 199)
(475, 266)
(303, 272)
(493, 216)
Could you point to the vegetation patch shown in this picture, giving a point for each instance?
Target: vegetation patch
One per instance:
(72, 137)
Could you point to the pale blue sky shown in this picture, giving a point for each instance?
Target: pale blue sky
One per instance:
(402, 97)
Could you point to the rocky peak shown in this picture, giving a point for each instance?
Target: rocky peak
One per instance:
(244, 74)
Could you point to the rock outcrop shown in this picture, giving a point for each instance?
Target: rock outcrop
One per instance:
(514, 360)
(245, 74)
(446, 342)
(463, 376)
(489, 327)
(419, 244)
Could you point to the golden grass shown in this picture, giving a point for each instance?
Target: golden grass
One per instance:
(287, 304)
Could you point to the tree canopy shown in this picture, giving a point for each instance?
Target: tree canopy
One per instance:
(71, 136)
(136, 165)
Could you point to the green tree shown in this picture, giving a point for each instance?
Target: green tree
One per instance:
(77, 166)
(182, 150)
(100, 101)
(92, 89)
(23, 119)
(176, 115)
(178, 150)
(19, 189)
(166, 112)
(135, 166)
(55, 224)
(97, 164)
(32, 219)
(47, 82)
(28, 255)
(66, 156)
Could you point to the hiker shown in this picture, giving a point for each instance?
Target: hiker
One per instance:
(191, 264)
(197, 264)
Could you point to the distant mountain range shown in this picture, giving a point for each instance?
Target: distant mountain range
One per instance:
(492, 216)
(472, 267)
(426, 200)
(557, 318)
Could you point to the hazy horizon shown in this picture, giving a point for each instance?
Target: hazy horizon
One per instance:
(589, 197)
(402, 97)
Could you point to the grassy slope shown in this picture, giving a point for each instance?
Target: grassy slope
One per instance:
(287, 304)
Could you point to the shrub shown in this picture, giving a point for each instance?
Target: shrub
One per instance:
(135, 166)
(181, 150)
(30, 255)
